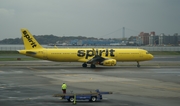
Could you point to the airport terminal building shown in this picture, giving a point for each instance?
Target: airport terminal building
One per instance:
(158, 40)
(163, 40)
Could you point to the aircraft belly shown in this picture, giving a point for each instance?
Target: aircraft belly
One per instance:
(63, 58)
(134, 56)
(125, 57)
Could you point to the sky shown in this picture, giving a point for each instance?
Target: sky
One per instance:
(90, 18)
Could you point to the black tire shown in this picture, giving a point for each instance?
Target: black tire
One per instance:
(93, 66)
(71, 99)
(93, 99)
(84, 65)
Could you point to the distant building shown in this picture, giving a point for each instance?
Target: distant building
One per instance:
(134, 40)
(114, 44)
(162, 40)
(145, 38)
(79, 42)
(153, 39)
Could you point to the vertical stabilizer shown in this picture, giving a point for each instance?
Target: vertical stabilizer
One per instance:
(29, 41)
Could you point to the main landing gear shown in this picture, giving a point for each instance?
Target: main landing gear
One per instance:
(85, 65)
(93, 66)
(138, 64)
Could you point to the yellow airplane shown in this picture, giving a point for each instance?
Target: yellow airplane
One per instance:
(105, 57)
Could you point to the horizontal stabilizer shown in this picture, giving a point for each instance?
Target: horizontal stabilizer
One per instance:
(30, 53)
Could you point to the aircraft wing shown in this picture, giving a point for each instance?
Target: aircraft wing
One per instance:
(96, 59)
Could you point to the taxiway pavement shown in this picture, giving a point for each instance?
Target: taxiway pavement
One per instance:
(33, 83)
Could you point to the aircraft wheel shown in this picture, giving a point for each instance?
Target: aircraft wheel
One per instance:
(84, 65)
(138, 66)
(93, 66)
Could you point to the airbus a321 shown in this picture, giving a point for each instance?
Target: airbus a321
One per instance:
(105, 57)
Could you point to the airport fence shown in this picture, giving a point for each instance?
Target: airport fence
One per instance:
(11, 48)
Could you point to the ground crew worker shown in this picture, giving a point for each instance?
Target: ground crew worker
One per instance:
(64, 86)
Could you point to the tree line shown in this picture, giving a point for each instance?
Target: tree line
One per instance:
(45, 39)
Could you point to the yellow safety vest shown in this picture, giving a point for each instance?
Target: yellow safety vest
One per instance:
(64, 86)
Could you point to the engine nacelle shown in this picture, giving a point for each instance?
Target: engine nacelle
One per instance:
(109, 62)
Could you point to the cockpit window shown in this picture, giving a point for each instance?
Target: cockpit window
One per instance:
(147, 52)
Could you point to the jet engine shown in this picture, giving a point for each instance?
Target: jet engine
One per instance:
(109, 62)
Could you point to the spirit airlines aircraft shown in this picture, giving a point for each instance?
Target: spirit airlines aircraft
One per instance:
(105, 57)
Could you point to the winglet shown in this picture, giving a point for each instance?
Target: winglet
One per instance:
(29, 41)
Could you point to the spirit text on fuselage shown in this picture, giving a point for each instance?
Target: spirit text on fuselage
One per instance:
(99, 52)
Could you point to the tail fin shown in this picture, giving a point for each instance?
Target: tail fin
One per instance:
(29, 41)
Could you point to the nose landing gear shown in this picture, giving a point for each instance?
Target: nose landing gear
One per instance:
(138, 64)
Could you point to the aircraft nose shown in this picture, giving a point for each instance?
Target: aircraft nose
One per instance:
(151, 56)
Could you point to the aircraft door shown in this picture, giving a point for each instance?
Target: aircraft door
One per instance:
(45, 54)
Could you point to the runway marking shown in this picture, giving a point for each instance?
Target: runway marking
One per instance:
(71, 75)
(34, 69)
(35, 85)
(86, 78)
(169, 72)
(150, 86)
